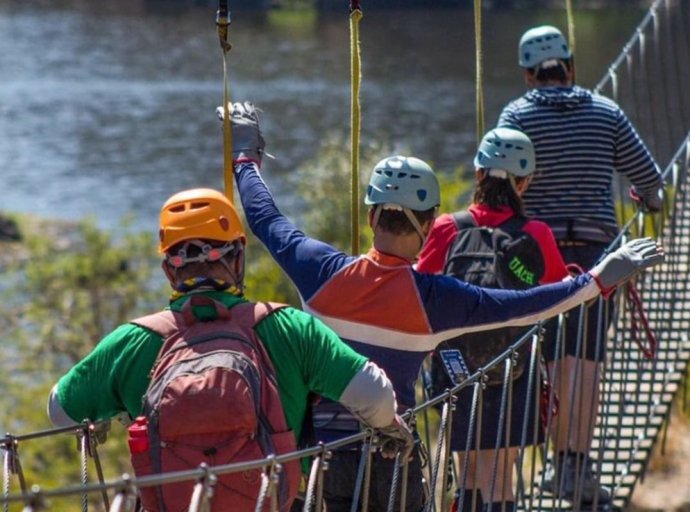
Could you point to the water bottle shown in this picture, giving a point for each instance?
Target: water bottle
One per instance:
(138, 437)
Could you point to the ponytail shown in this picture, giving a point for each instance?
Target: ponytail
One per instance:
(497, 193)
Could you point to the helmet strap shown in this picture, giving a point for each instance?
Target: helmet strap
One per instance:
(234, 268)
(497, 173)
(415, 224)
(408, 213)
(377, 215)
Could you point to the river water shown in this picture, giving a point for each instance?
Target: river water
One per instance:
(107, 108)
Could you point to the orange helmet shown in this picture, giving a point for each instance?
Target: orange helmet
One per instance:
(200, 213)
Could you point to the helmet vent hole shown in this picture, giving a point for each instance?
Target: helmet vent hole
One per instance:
(388, 173)
(421, 194)
(415, 176)
(523, 163)
(224, 223)
(402, 174)
(177, 209)
(197, 205)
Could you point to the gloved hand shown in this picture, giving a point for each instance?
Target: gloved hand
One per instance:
(247, 141)
(622, 264)
(100, 431)
(650, 201)
(396, 437)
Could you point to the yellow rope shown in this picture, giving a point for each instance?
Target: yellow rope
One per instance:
(222, 23)
(355, 120)
(571, 34)
(571, 25)
(227, 137)
(479, 56)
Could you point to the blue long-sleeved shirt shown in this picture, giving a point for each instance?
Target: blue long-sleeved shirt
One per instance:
(380, 305)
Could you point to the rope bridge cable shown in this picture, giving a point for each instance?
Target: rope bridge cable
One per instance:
(223, 24)
(355, 119)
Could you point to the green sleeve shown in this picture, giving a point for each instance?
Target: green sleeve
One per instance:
(307, 357)
(113, 377)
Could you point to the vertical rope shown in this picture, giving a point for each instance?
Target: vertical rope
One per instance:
(7, 471)
(355, 119)
(571, 33)
(222, 23)
(84, 439)
(479, 68)
(571, 25)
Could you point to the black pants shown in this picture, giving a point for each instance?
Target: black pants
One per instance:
(593, 345)
(341, 477)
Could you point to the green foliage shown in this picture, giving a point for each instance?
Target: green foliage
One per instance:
(264, 279)
(71, 286)
(325, 186)
(456, 190)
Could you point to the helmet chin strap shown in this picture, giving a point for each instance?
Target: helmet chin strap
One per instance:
(415, 224)
(408, 213)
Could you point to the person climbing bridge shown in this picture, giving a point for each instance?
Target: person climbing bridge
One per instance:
(580, 140)
(211, 416)
(480, 245)
(381, 306)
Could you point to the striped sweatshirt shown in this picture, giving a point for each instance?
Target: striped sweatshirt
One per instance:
(580, 139)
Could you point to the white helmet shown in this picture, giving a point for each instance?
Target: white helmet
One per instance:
(405, 181)
(540, 44)
(506, 149)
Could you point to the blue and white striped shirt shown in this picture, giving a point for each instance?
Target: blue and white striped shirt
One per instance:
(580, 139)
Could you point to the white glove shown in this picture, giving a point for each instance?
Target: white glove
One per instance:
(396, 437)
(622, 264)
(247, 141)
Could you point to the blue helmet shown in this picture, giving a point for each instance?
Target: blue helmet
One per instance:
(506, 149)
(405, 181)
(540, 44)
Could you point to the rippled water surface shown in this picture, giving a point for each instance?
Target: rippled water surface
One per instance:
(108, 108)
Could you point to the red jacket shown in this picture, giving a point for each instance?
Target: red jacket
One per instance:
(433, 255)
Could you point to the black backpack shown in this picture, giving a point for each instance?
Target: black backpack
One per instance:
(499, 257)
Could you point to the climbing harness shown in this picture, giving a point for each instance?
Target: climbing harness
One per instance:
(222, 24)
(355, 119)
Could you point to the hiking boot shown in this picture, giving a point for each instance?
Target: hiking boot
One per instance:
(563, 479)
